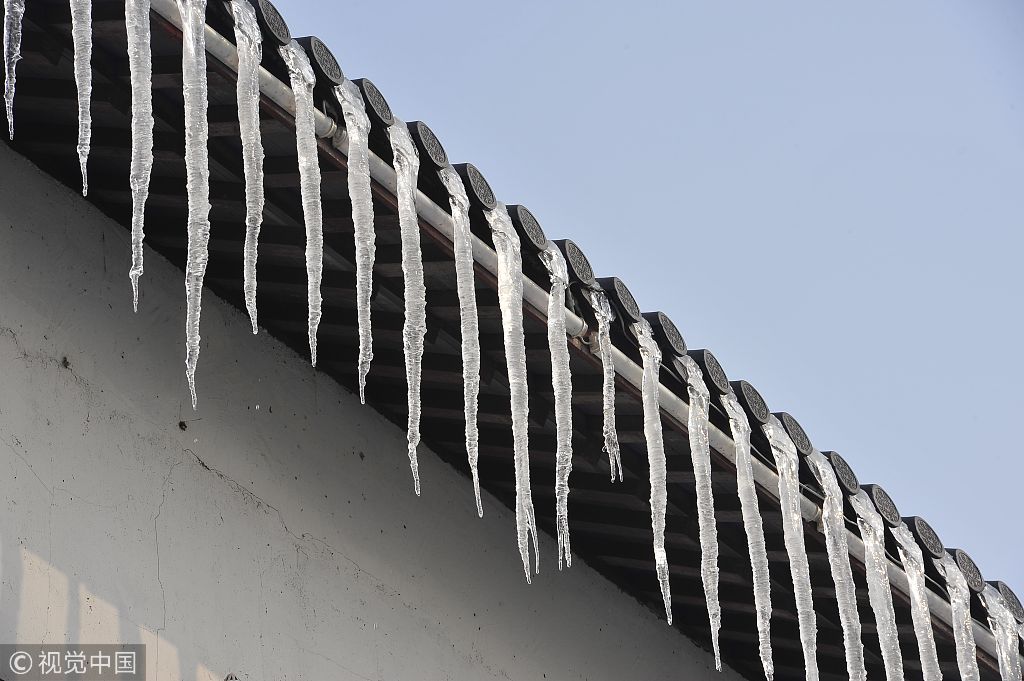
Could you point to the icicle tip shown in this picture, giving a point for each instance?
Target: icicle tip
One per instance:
(476, 493)
(135, 292)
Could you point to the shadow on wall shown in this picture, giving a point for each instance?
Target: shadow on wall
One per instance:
(46, 606)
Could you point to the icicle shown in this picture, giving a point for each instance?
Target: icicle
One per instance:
(140, 66)
(700, 455)
(913, 563)
(14, 10)
(963, 623)
(561, 382)
(651, 355)
(470, 326)
(81, 34)
(740, 428)
(603, 312)
(1004, 630)
(834, 522)
(357, 128)
(300, 72)
(786, 461)
(510, 300)
(872, 531)
(407, 166)
(197, 171)
(247, 93)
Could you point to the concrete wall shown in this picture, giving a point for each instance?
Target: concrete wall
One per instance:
(277, 536)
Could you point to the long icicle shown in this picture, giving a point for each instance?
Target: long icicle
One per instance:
(510, 299)
(834, 522)
(651, 355)
(81, 34)
(140, 66)
(407, 165)
(603, 311)
(249, 40)
(913, 563)
(561, 383)
(14, 11)
(786, 461)
(357, 130)
(1004, 630)
(872, 531)
(740, 428)
(470, 326)
(300, 72)
(963, 622)
(700, 456)
(197, 172)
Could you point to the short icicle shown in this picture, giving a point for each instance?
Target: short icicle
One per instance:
(787, 463)
(603, 311)
(81, 34)
(963, 622)
(140, 66)
(247, 94)
(1005, 631)
(302, 77)
(14, 11)
(834, 523)
(872, 531)
(357, 131)
(197, 173)
(407, 164)
(913, 563)
(561, 383)
(470, 325)
(651, 355)
(740, 428)
(510, 300)
(700, 456)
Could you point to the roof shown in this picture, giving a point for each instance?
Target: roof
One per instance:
(610, 523)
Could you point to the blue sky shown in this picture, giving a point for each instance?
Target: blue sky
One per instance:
(828, 197)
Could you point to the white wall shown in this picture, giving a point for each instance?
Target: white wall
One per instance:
(276, 537)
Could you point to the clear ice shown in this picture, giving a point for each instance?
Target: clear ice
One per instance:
(1004, 629)
(872, 531)
(787, 463)
(81, 34)
(247, 94)
(834, 523)
(700, 455)
(197, 173)
(140, 66)
(14, 10)
(963, 623)
(913, 563)
(510, 300)
(407, 165)
(603, 311)
(740, 427)
(651, 356)
(561, 383)
(470, 325)
(357, 128)
(300, 72)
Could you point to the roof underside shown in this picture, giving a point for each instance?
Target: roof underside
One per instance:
(610, 523)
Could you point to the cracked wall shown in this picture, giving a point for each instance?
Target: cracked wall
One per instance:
(273, 533)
